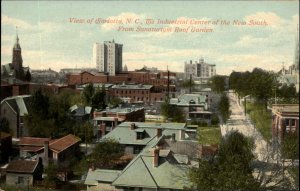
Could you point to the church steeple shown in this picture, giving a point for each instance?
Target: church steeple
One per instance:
(17, 61)
(17, 45)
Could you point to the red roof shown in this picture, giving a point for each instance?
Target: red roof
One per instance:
(31, 148)
(22, 166)
(33, 141)
(64, 143)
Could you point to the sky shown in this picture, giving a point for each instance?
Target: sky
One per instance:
(49, 40)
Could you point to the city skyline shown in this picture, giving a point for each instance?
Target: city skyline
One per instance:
(49, 40)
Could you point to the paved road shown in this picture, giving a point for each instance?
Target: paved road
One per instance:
(239, 122)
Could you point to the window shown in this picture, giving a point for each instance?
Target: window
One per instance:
(287, 122)
(20, 180)
(139, 135)
(293, 122)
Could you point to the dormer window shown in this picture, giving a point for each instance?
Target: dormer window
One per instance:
(140, 134)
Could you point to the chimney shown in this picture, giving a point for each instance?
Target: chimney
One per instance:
(182, 134)
(155, 157)
(46, 153)
(132, 126)
(173, 137)
(115, 122)
(158, 132)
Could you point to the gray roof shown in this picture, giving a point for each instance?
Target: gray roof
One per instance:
(80, 110)
(18, 103)
(122, 109)
(129, 86)
(124, 135)
(140, 172)
(188, 99)
(101, 175)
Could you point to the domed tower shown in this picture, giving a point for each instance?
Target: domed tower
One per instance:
(17, 61)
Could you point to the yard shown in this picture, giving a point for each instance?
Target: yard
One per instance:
(209, 135)
(261, 118)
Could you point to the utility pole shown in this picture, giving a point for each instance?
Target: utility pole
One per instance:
(168, 84)
(190, 83)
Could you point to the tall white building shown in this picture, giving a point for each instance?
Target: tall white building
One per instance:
(107, 57)
(200, 70)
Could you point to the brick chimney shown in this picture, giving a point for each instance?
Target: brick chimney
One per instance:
(158, 132)
(155, 157)
(46, 153)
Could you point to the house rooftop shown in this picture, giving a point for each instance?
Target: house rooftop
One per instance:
(125, 135)
(286, 108)
(188, 99)
(131, 86)
(18, 103)
(101, 175)
(33, 141)
(122, 109)
(64, 143)
(169, 174)
(22, 166)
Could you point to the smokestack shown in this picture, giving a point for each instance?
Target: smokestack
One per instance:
(132, 126)
(158, 132)
(155, 157)
(46, 153)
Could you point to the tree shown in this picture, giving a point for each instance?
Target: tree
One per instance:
(28, 76)
(51, 171)
(230, 169)
(98, 100)
(223, 107)
(290, 146)
(218, 83)
(84, 131)
(114, 101)
(172, 112)
(88, 93)
(106, 154)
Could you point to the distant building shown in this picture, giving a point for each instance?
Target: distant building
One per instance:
(285, 120)
(195, 106)
(200, 71)
(50, 150)
(107, 57)
(106, 120)
(291, 75)
(14, 109)
(45, 76)
(80, 113)
(23, 172)
(15, 69)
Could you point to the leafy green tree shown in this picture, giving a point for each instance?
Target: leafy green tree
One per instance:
(172, 112)
(51, 171)
(88, 93)
(230, 169)
(218, 83)
(84, 131)
(223, 107)
(106, 154)
(99, 99)
(114, 101)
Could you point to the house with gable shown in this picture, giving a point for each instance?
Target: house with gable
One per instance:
(14, 109)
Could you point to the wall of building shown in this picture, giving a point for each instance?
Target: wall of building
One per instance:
(13, 178)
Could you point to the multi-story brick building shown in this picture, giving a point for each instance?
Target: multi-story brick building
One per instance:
(106, 120)
(285, 120)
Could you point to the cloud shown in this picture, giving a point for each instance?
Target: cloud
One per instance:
(124, 17)
(272, 19)
(6, 20)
